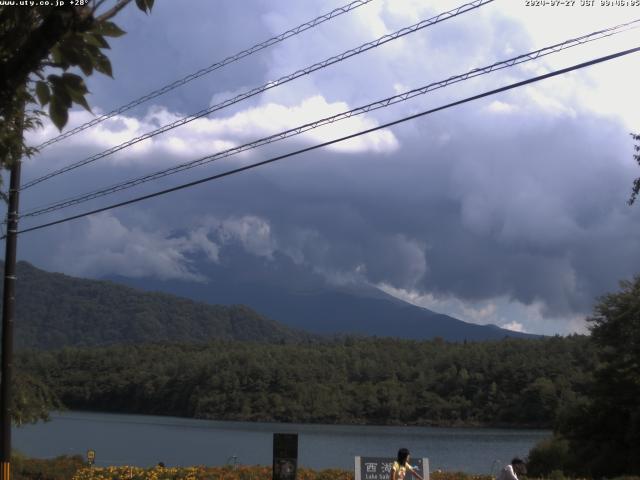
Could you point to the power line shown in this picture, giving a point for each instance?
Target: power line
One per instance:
(332, 119)
(341, 139)
(215, 66)
(282, 80)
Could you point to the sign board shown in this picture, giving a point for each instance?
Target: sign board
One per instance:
(285, 456)
(379, 468)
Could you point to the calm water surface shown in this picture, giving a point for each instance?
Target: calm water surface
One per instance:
(146, 440)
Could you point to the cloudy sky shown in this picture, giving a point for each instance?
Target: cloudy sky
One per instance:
(508, 210)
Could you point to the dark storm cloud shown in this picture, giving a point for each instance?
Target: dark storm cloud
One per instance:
(180, 38)
(520, 196)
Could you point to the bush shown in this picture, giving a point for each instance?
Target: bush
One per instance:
(59, 468)
(202, 473)
(549, 458)
(230, 473)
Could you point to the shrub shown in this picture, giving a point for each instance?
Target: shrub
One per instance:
(59, 468)
(549, 458)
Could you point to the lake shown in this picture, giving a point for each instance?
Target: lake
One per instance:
(145, 440)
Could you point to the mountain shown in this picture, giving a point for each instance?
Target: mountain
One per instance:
(296, 296)
(55, 310)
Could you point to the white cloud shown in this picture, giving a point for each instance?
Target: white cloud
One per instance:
(254, 234)
(108, 247)
(514, 326)
(482, 313)
(209, 135)
(105, 245)
(506, 312)
(501, 107)
(199, 241)
(273, 118)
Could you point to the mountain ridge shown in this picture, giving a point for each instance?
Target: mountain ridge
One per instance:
(61, 310)
(66, 310)
(298, 297)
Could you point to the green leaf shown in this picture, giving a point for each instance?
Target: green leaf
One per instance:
(86, 58)
(76, 89)
(80, 100)
(74, 82)
(54, 79)
(108, 29)
(86, 65)
(145, 5)
(103, 65)
(60, 93)
(96, 40)
(69, 53)
(56, 57)
(58, 112)
(42, 91)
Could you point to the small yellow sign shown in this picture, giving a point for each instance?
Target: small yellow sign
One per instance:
(5, 471)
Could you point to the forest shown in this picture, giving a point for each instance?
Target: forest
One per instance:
(57, 310)
(351, 380)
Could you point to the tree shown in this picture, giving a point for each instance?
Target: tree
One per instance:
(636, 183)
(39, 45)
(32, 399)
(604, 433)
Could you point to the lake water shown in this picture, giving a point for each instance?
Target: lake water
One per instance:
(146, 440)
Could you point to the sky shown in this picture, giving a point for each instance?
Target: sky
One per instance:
(508, 210)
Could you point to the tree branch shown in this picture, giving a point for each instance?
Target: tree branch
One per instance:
(113, 11)
(97, 5)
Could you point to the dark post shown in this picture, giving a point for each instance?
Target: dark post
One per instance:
(8, 315)
(285, 456)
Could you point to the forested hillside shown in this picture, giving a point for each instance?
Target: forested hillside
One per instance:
(55, 310)
(377, 381)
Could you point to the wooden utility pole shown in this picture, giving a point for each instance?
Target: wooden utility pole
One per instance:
(8, 316)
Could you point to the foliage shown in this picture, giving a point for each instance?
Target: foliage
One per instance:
(39, 45)
(230, 473)
(59, 468)
(55, 310)
(458, 476)
(32, 399)
(203, 473)
(50, 39)
(548, 456)
(603, 429)
(636, 183)
(374, 381)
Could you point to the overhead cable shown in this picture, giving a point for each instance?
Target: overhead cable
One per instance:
(255, 91)
(337, 140)
(334, 118)
(204, 71)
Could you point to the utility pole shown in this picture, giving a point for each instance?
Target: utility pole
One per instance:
(8, 316)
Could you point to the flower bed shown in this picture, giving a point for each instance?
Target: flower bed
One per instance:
(230, 473)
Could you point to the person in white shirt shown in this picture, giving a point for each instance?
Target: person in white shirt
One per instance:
(509, 472)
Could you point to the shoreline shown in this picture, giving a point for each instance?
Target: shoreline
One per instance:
(435, 425)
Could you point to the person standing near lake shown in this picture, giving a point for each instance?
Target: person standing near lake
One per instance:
(509, 472)
(401, 466)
